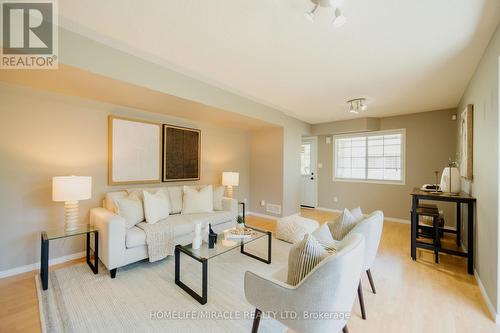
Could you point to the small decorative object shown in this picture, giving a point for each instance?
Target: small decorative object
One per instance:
(212, 237)
(240, 221)
(230, 179)
(71, 189)
(466, 129)
(450, 179)
(197, 236)
(239, 233)
(181, 153)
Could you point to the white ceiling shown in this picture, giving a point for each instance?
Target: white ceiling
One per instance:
(404, 56)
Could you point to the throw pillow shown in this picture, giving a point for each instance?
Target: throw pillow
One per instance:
(303, 257)
(156, 206)
(218, 195)
(130, 208)
(357, 213)
(342, 225)
(175, 193)
(324, 237)
(197, 201)
(292, 228)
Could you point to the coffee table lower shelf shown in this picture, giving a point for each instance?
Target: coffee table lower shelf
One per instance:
(203, 298)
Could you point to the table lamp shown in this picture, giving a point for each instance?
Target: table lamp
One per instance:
(71, 189)
(230, 179)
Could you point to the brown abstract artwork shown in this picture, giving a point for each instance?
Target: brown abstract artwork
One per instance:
(181, 153)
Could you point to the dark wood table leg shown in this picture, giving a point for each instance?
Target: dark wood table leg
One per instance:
(414, 222)
(459, 223)
(470, 237)
(44, 261)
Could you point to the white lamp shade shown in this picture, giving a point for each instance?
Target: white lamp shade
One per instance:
(71, 188)
(230, 178)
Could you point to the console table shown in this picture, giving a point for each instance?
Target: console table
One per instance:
(461, 198)
(59, 233)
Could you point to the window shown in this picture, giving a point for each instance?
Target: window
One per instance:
(370, 157)
(305, 159)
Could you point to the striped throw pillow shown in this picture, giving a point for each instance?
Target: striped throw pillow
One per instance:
(303, 257)
(342, 225)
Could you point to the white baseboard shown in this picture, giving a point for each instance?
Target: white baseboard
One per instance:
(494, 315)
(263, 215)
(387, 218)
(36, 265)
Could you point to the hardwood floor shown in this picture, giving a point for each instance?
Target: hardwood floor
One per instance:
(411, 296)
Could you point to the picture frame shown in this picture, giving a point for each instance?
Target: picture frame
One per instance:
(466, 132)
(134, 151)
(181, 153)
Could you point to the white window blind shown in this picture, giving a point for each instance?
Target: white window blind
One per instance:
(375, 156)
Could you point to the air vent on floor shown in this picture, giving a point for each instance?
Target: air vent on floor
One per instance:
(274, 209)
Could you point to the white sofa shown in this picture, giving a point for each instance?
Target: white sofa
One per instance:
(119, 246)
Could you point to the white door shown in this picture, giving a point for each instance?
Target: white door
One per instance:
(308, 153)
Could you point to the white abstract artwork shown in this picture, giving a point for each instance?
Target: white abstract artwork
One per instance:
(466, 142)
(134, 151)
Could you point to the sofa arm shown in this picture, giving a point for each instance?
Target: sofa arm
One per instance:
(230, 204)
(112, 232)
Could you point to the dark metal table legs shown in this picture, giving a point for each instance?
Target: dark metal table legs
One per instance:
(269, 243)
(93, 267)
(202, 299)
(470, 238)
(44, 262)
(414, 223)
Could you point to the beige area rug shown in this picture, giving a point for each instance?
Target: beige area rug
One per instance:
(143, 295)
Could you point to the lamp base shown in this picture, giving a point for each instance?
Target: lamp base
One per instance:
(229, 191)
(71, 211)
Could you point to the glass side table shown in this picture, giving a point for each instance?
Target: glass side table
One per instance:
(59, 233)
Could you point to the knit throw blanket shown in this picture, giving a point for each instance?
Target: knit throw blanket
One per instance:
(159, 238)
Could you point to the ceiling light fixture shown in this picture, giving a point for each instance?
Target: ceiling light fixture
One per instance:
(338, 19)
(356, 105)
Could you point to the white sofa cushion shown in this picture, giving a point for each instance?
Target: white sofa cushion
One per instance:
(218, 195)
(130, 208)
(109, 200)
(175, 193)
(213, 218)
(135, 237)
(197, 201)
(156, 206)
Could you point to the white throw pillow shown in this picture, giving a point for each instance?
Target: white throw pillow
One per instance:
(342, 225)
(175, 193)
(292, 228)
(324, 237)
(303, 257)
(218, 195)
(130, 208)
(195, 201)
(357, 213)
(156, 206)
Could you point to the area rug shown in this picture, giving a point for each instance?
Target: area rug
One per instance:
(144, 298)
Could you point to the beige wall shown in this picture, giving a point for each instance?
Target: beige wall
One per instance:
(266, 169)
(44, 135)
(430, 142)
(483, 93)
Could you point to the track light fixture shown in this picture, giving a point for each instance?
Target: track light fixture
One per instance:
(338, 19)
(356, 105)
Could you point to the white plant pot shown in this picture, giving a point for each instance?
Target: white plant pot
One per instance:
(450, 180)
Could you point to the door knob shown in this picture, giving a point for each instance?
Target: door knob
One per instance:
(312, 178)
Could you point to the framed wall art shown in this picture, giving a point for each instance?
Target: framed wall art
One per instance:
(466, 131)
(134, 151)
(181, 153)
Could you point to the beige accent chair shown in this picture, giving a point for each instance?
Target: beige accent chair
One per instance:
(371, 229)
(313, 295)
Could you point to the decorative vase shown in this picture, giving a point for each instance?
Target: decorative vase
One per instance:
(450, 180)
(197, 236)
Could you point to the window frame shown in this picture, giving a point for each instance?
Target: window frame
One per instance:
(401, 131)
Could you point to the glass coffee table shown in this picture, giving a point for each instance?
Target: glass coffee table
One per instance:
(204, 254)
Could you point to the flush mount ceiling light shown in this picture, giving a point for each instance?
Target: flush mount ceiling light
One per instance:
(338, 19)
(356, 105)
